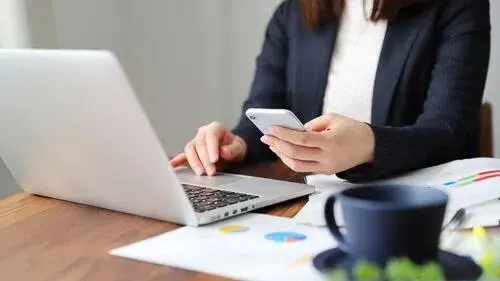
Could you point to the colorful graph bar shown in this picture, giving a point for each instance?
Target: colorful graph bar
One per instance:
(302, 261)
(233, 228)
(478, 177)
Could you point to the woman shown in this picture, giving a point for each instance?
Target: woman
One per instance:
(386, 86)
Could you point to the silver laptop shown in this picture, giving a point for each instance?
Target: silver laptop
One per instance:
(72, 128)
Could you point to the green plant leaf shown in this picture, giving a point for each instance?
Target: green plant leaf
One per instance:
(491, 273)
(490, 265)
(402, 269)
(338, 275)
(431, 271)
(486, 261)
(365, 271)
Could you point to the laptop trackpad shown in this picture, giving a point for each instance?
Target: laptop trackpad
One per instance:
(189, 177)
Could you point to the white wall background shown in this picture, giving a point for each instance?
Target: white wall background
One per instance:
(174, 52)
(13, 33)
(176, 57)
(190, 61)
(492, 92)
(13, 25)
(248, 22)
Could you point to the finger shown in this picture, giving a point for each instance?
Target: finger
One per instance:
(234, 147)
(179, 160)
(201, 149)
(293, 151)
(215, 133)
(309, 139)
(299, 166)
(320, 124)
(231, 151)
(193, 159)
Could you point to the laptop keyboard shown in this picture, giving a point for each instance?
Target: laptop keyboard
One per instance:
(206, 199)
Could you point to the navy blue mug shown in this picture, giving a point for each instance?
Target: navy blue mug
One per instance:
(385, 222)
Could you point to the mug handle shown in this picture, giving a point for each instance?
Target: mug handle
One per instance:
(332, 224)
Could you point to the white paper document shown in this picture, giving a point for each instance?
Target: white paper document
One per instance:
(248, 247)
(486, 215)
(469, 183)
(313, 212)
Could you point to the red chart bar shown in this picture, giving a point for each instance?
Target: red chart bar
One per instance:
(491, 176)
(489, 172)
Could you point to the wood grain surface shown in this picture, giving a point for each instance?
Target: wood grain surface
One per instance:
(51, 240)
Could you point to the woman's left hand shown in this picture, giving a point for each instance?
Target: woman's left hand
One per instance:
(333, 143)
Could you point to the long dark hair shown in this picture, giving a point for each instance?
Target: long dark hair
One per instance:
(316, 12)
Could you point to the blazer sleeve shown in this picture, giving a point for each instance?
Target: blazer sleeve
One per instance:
(453, 101)
(268, 87)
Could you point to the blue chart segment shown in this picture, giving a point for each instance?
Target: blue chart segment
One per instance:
(285, 237)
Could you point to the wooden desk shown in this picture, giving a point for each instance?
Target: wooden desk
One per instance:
(50, 240)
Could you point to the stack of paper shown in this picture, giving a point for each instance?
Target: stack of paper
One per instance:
(248, 247)
(473, 184)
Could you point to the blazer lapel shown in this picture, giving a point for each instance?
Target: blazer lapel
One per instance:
(314, 57)
(400, 35)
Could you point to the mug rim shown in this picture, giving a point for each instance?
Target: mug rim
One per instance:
(441, 199)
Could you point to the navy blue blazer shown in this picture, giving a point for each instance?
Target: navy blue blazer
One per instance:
(428, 88)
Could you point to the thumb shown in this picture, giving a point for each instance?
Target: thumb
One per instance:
(232, 150)
(320, 124)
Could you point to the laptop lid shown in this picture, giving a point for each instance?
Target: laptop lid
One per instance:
(73, 129)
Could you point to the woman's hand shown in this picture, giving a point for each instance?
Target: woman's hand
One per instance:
(333, 143)
(211, 144)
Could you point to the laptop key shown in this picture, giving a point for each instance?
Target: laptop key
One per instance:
(245, 197)
(206, 199)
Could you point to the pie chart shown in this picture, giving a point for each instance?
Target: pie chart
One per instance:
(285, 237)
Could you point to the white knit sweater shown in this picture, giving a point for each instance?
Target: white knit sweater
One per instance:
(354, 64)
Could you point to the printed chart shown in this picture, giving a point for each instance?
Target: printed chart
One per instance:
(302, 261)
(285, 237)
(233, 228)
(477, 177)
(247, 247)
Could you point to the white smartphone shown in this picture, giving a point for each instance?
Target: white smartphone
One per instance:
(264, 118)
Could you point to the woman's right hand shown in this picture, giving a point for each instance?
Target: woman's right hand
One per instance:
(211, 144)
